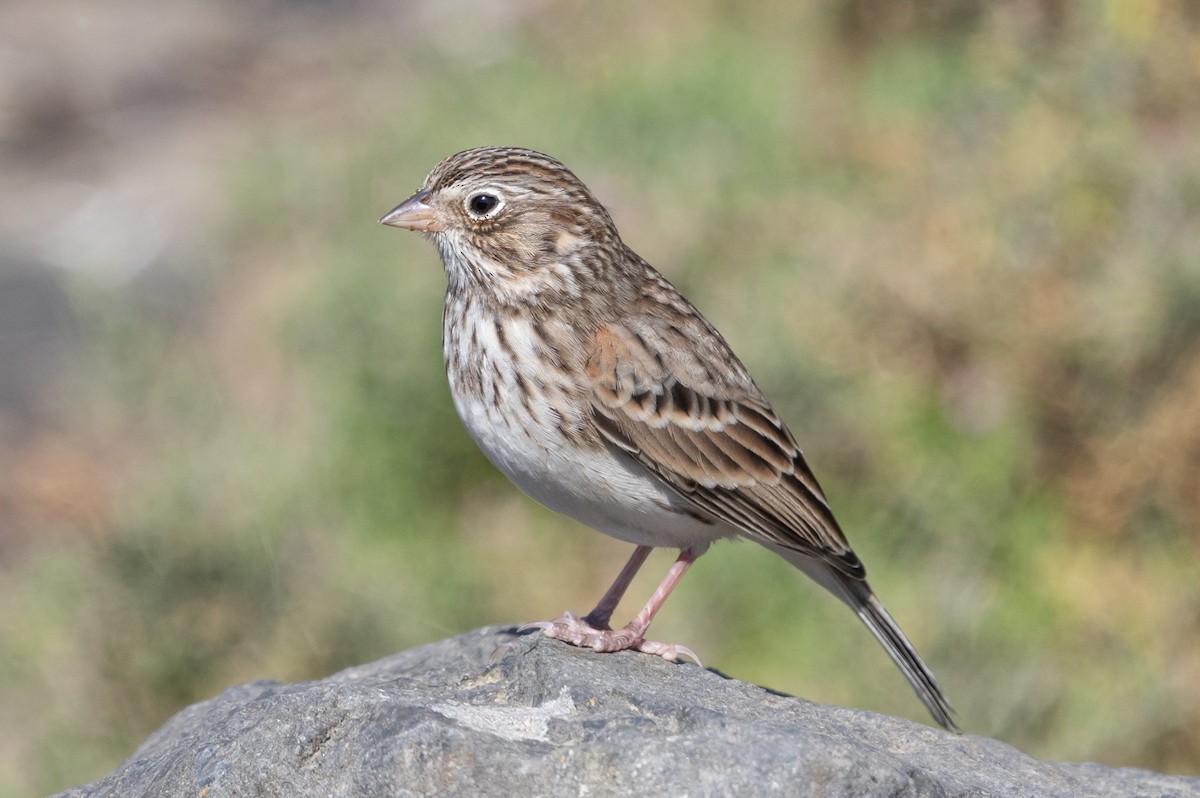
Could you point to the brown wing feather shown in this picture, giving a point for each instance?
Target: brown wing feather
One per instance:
(719, 445)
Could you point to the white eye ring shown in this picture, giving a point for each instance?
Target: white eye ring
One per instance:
(483, 204)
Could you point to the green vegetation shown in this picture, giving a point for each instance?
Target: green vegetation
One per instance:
(959, 248)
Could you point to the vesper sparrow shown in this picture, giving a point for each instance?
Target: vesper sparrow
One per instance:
(602, 393)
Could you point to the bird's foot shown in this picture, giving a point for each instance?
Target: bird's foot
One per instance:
(579, 632)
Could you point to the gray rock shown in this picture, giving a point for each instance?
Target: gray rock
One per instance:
(542, 718)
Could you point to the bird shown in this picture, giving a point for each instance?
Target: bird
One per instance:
(602, 393)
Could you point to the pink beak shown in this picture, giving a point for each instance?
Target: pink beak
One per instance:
(413, 214)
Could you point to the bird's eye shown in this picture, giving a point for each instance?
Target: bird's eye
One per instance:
(482, 205)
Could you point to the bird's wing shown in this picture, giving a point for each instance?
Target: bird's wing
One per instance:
(700, 425)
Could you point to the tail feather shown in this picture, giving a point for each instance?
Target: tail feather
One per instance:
(858, 595)
(887, 632)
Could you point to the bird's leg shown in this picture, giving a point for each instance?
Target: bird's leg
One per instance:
(599, 617)
(641, 622)
(582, 632)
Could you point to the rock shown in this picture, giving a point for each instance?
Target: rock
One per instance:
(543, 718)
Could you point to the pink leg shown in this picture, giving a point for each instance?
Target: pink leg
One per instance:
(641, 621)
(599, 617)
(581, 631)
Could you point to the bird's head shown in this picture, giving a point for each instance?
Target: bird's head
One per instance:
(502, 217)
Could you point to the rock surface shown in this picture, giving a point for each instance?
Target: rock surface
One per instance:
(545, 719)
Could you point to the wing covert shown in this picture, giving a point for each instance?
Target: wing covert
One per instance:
(716, 443)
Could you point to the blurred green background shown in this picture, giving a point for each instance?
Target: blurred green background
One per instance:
(957, 242)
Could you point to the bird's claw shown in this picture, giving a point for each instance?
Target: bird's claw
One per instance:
(567, 620)
(671, 651)
(578, 632)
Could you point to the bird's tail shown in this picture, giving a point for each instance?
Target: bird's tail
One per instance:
(887, 632)
(858, 595)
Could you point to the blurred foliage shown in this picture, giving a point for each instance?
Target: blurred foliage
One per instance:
(956, 241)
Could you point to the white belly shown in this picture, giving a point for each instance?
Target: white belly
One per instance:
(595, 488)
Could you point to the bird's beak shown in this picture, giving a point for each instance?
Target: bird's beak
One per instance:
(413, 214)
